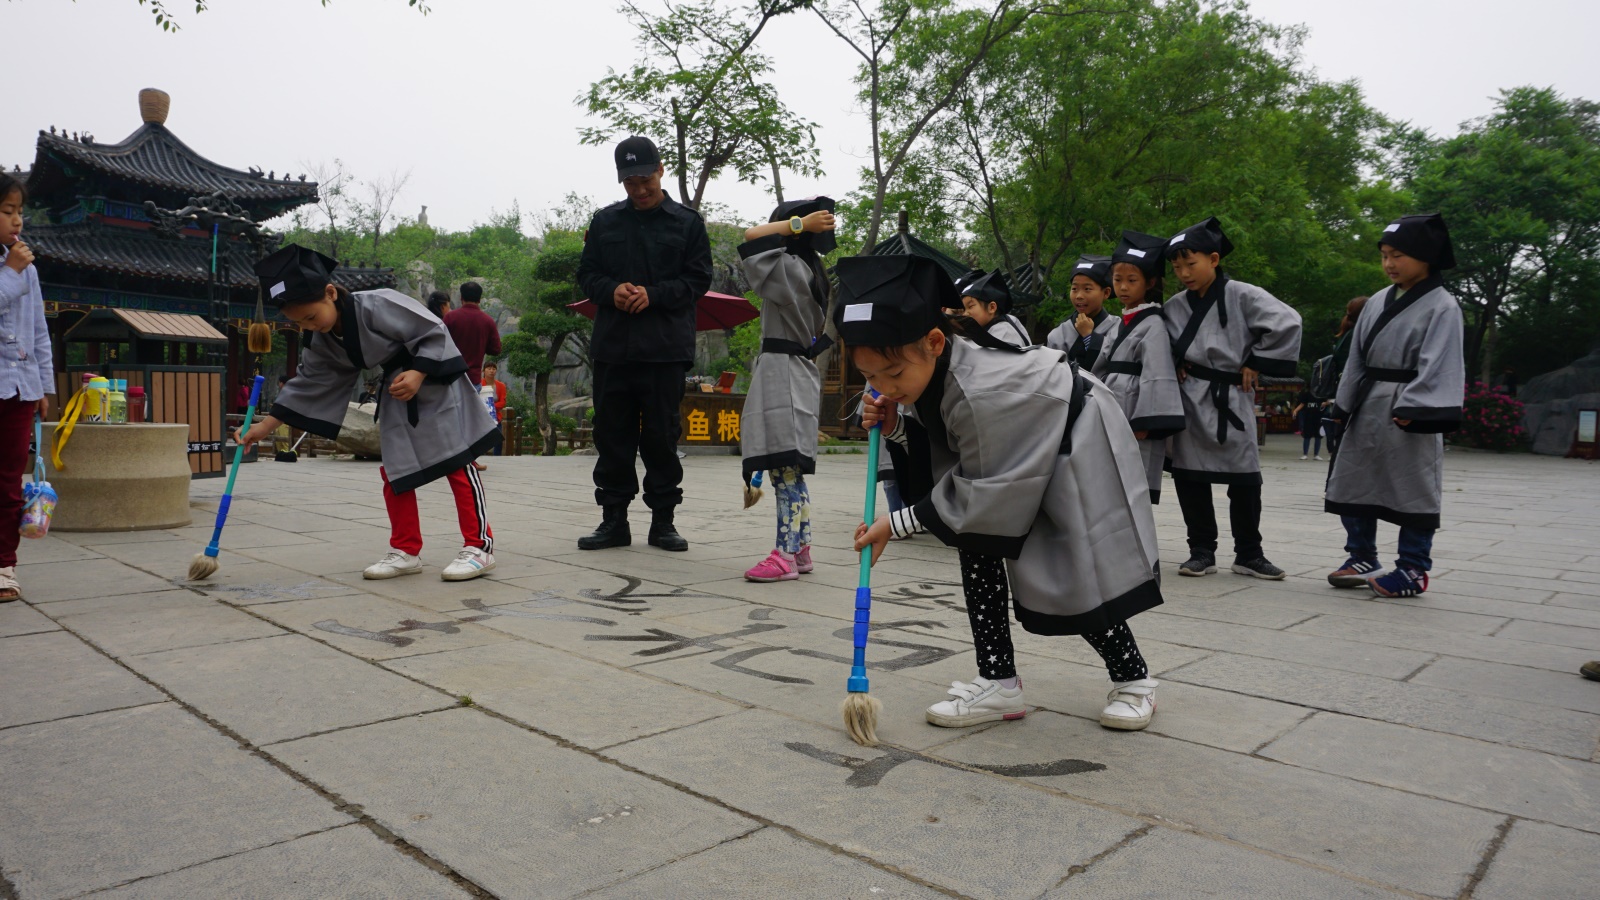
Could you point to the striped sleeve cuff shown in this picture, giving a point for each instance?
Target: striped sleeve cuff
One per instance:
(898, 435)
(903, 523)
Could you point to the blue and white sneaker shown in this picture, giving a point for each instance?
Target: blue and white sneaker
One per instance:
(1354, 573)
(1402, 582)
(469, 564)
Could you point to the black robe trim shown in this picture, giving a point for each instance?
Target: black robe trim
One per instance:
(350, 331)
(1429, 419)
(439, 470)
(1155, 498)
(1215, 477)
(1128, 328)
(438, 371)
(1159, 427)
(319, 427)
(1426, 521)
(761, 245)
(1108, 615)
(784, 460)
(1000, 545)
(1277, 368)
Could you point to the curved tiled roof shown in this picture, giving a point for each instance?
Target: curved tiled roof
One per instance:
(129, 251)
(153, 156)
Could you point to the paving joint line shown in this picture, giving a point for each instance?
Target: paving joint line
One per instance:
(184, 868)
(1418, 670)
(1489, 853)
(1127, 840)
(96, 712)
(673, 861)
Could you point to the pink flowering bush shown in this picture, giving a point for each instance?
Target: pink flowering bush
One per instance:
(1490, 420)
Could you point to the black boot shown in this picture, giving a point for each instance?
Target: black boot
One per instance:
(613, 531)
(663, 534)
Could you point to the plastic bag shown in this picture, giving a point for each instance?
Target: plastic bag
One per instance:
(38, 497)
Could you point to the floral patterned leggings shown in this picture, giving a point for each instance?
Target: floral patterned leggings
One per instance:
(794, 509)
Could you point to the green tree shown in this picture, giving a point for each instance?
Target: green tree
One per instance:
(164, 19)
(1520, 189)
(546, 324)
(704, 95)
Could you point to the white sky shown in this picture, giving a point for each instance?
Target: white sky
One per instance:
(476, 99)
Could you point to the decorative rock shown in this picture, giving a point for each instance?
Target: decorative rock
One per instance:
(359, 433)
(1582, 377)
(1553, 425)
(123, 478)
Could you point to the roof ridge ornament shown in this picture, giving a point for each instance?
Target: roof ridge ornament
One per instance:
(154, 104)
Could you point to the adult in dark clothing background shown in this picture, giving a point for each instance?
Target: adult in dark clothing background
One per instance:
(646, 263)
(474, 331)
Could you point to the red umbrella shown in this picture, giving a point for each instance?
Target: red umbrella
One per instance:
(713, 312)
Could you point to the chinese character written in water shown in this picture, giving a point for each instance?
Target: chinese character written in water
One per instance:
(699, 426)
(728, 425)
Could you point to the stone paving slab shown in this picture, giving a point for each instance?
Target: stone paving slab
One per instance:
(1321, 650)
(55, 676)
(20, 618)
(284, 687)
(1587, 639)
(1488, 776)
(767, 864)
(375, 628)
(506, 808)
(1542, 861)
(349, 863)
(152, 789)
(1550, 690)
(1447, 643)
(166, 622)
(1436, 709)
(576, 699)
(907, 814)
(1166, 863)
(77, 579)
(1389, 837)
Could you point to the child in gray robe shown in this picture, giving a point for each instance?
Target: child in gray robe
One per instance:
(1137, 365)
(430, 420)
(1022, 462)
(1091, 330)
(778, 430)
(1225, 335)
(986, 300)
(1401, 391)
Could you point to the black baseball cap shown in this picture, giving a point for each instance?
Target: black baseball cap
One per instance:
(636, 156)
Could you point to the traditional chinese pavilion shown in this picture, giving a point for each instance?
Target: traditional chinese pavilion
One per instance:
(112, 238)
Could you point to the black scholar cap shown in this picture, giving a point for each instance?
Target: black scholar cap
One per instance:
(636, 156)
(890, 301)
(986, 287)
(294, 274)
(1142, 251)
(1423, 236)
(1095, 268)
(1201, 237)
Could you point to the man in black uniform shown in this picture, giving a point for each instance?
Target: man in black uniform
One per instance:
(646, 263)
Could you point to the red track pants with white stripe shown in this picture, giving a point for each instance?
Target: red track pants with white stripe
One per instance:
(405, 528)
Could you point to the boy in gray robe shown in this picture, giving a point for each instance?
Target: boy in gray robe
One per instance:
(1023, 463)
(1087, 334)
(1225, 335)
(1401, 391)
(986, 300)
(1137, 366)
(431, 423)
(778, 430)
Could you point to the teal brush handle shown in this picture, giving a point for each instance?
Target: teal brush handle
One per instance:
(233, 472)
(858, 668)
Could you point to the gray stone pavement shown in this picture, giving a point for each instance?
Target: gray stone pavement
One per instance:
(631, 723)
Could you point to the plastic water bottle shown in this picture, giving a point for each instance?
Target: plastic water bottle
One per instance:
(486, 394)
(97, 404)
(117, 408)
(136, 404)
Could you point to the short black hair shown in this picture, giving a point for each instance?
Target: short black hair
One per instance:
(12, 184)
(471, 292)
(438, 301)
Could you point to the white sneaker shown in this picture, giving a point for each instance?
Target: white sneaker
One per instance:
(1318, 459)
(393, 565)
(1131, 705)
(469, 564)
(1302, 456)
(976, 703)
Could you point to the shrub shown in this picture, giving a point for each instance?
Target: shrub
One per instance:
(1490, 420)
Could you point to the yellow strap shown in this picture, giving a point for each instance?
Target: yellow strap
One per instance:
(69, 418)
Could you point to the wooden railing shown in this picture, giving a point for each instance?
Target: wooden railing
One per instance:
(521, 435)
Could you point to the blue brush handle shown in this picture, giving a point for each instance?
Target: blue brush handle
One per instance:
(233, 472)
(858, 668)
(755, 480)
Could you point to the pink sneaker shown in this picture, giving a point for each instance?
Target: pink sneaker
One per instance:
(802, 561)
(773, 568)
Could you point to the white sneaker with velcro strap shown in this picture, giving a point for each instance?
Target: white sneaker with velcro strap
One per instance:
(973, 704)
(1131, 705)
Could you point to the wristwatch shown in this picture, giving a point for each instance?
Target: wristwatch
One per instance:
(796, 225)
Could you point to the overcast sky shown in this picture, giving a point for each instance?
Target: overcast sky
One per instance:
(476, 99)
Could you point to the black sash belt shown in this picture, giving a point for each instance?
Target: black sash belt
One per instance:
(793, 348)
(1400, 376)
(1122, 367)
(1220, 382)
(399, 363)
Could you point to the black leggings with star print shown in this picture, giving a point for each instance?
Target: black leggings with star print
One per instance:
(988, 593)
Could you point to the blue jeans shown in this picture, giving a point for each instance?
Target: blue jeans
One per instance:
(1362, 543)
(1307, 437)
(891, 493)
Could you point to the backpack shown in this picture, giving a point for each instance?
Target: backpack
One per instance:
(1324, 378)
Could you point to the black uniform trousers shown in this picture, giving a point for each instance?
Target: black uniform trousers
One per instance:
(1200, 517)
(636, 413)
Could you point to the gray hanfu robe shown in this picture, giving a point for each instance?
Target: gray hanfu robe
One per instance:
(1235, 325)
(1405, 363)
(1087, 351)
(779, 426)
(1139, 370)
(1022, 455)
(1010, 329)
(443, 428)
